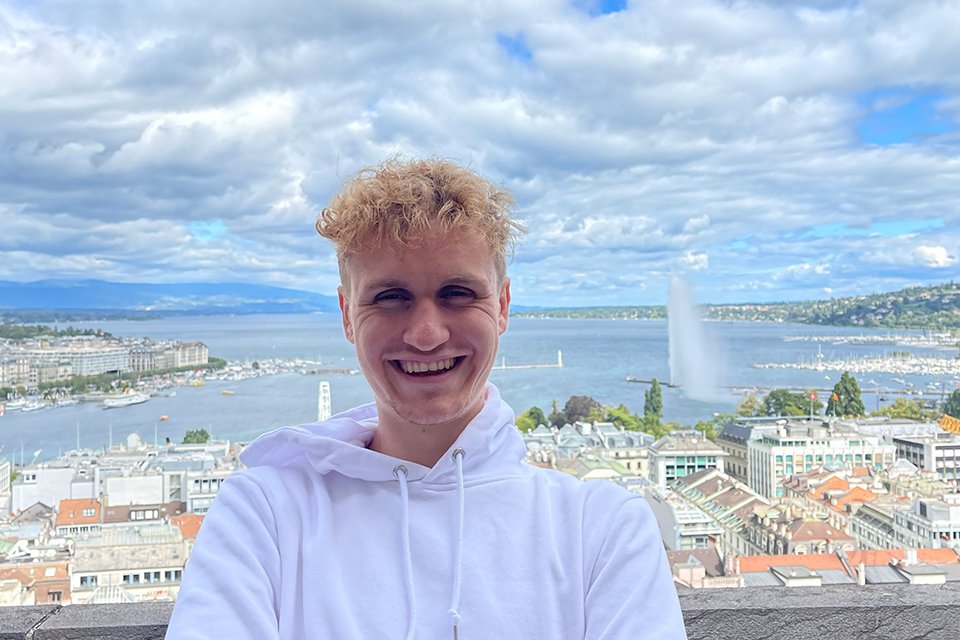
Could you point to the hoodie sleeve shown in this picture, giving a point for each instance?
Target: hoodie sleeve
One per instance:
(231, 584)
(631, 592)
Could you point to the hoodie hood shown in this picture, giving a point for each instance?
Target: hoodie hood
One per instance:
(491, 443)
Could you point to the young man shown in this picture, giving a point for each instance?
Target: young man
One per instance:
(416, 516)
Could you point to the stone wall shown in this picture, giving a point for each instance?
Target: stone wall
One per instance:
(839, 612)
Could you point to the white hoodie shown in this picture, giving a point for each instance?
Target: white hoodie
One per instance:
(320, 538)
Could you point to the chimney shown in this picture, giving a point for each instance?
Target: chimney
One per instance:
(861, 574)
(736, 565)
(168, 442)
(909, 557)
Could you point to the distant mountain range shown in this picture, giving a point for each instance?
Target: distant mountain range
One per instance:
(100, 299)
(935, 307)
(76, 300)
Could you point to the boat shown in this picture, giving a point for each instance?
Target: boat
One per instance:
(198, 383)
(33, 406)
(226, 393)
(164, 418)
(16, 405)
(124, 400)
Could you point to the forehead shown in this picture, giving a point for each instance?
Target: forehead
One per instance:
(436, 257)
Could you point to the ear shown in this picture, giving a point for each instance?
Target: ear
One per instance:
(345, 312)
(504, 305)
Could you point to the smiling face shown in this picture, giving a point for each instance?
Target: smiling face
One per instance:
(426, 322)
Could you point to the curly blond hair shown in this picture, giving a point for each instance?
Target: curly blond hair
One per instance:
(400, 202)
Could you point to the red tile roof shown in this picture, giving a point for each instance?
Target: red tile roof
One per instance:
(750, 564)
(189, 524)
(809, 530)
(71, 512)
(831, 484)
(875, 558)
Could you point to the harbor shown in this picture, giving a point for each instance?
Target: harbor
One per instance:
(899, 365)
(505, 367)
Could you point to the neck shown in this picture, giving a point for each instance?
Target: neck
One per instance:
(418, 443)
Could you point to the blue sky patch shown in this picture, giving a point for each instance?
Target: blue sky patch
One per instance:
(890, 229)
(898, 115)
(515, 46)
(600, 7)
(207, 231)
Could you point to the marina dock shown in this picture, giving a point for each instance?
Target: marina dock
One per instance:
(503, 364)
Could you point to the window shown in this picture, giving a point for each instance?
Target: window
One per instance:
(89, 513)
(151, 576)
(88, 581)
(131, 578)
(55, 596)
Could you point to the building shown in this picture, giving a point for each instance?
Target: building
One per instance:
(85, 360)
(729, 502)
(733, 439)
(939, 453)
(590, 466)
(39, 583)
(701, 569)
(49, 483)
(682, 525)
(190, 354)
(872, 525)
(799, 446)
(932, 523)
(78, 516)
(682, 453)
(14, 371)
(786, 529)
(128, 564)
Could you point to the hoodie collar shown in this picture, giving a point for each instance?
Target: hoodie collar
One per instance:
(491, 443)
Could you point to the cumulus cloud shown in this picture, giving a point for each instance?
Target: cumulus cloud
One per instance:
(937, 257)
(197, 141)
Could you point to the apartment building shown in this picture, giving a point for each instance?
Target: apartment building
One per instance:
(129, 564)
(680, 454)
(932, 523)
(682, 524)
(939, 453)
(799, 446)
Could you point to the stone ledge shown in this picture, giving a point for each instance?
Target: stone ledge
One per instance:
(836, 612)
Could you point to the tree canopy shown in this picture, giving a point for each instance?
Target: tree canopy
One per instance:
(845, 400)
(653, 400)
(952, 406)
(196, 436)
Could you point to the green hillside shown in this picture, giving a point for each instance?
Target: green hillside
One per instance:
(934, 307)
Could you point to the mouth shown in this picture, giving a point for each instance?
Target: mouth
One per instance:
(427, 369)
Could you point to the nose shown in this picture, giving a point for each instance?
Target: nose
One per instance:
(426, 328)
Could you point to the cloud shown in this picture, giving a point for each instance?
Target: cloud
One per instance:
(198, 141)
(936, 257)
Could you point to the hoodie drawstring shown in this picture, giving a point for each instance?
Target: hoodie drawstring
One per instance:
(454, 614)
(400, 472)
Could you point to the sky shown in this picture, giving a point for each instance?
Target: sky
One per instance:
(770, 151)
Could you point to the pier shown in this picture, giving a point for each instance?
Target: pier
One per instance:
(503, 364)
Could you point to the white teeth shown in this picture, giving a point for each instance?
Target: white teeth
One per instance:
(423, 367)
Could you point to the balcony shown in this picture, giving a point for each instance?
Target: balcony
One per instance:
(839, 612)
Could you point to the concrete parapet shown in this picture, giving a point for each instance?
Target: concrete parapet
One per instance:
(833, 612)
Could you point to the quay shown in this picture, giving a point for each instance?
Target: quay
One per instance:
(503, 366)
(662, 384)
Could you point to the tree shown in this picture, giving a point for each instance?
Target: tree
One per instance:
(845, 400)
(952, 406)
(653, 400)
(622, 417)
(781, 402)
(901, 408)
(196, 436)
(712, 428)
(750, 407)
(530, 419)
(578, 408)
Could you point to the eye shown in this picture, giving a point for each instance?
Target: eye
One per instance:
(391, 296)
(457, 294)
